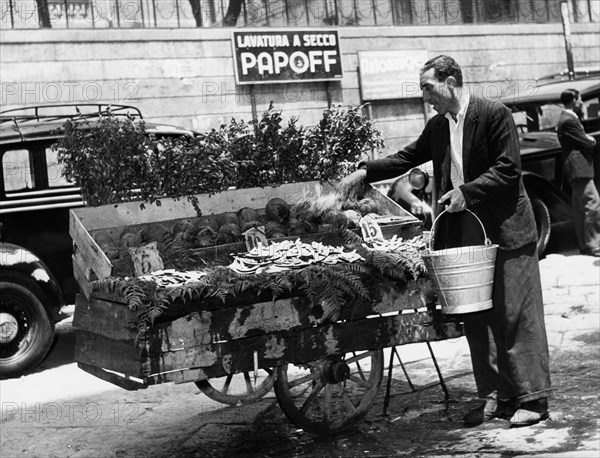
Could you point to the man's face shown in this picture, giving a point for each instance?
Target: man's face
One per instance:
(578, 107)
(436, 93)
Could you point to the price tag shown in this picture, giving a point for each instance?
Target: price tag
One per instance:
(370, 229)
(256, 238)
(146, 259)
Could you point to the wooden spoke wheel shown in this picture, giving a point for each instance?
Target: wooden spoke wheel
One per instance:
(332, 394)
(238, 389)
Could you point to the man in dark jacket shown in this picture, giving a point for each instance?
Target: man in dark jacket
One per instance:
(577, 150)
(474, 147)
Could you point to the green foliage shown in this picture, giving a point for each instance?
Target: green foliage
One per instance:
(340, 139)
(116, 160)
(108, 161)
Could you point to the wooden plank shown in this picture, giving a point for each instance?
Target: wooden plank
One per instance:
(104, 318)
(283, 315)
(304, 345)
(116, 379)
(85, 247)
(81, 277)
(115, 355)
(130, 213)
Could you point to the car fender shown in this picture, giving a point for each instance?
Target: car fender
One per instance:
(557, 201)
(22, 266)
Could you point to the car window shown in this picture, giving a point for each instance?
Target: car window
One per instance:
(56, 179)
(549, 115)
(17, 171)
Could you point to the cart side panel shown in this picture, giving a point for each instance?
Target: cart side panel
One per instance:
(295, 346)
(84, 276)
(131, 213)
(287, 314)
(116, 355)
(105, 318)
(87, 251)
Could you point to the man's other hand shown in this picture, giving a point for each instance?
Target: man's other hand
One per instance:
(455, 200)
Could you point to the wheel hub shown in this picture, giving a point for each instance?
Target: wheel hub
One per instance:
(335, 371)
(9, 328)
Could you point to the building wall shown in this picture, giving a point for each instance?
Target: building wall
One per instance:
(186, 77)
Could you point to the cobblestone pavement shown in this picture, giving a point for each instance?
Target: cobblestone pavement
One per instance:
(64, 412)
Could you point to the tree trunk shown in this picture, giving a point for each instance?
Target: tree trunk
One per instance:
(197, 12)
(233, 13)
(44, 14)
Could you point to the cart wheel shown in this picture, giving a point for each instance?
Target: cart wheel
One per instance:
(238, 389)
(332, 394)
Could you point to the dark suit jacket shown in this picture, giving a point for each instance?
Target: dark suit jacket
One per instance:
(576, 147)
(493, 187)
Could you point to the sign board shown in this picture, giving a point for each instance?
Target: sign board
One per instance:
(390, 74)
(284, 56)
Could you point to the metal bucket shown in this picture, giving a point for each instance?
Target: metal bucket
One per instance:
(463, 277)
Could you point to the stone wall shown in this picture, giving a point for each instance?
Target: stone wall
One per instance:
(186, 77)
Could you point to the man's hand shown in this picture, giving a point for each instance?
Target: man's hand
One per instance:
(455, 200)
(350, 183)
(591, 139)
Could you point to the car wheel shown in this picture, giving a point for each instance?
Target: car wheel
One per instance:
(26, 331)
(542, 222)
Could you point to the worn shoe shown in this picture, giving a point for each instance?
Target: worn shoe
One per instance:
(485, 412)
(530, 413)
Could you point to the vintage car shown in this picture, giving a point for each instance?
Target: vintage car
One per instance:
(536, 113)
(36, 270)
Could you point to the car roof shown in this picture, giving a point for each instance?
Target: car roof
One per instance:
(550, 93)
(45, 122)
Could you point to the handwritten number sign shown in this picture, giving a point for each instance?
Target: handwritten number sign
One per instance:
(370, 229)
(255, 238)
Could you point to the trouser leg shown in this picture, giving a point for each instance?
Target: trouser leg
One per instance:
(509, 348)
(586, 206)
(483, 353)
(520, 331)
(578, 212)
(591, 224)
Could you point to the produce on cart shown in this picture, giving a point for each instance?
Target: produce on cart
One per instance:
(282, 286)
(211, 312)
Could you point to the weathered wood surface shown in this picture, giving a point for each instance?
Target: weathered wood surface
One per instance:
(122, 356)
(87, 251)
(130, 213)
(105, 318)
(219, 359)
(84, 276)
(233, 321)
(122, 381)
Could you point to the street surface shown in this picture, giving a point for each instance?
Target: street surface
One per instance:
(61, 411)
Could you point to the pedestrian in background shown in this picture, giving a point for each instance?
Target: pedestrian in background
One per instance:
(474, 147)
(578, 148)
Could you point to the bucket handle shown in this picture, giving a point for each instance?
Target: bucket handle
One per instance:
(487, 241)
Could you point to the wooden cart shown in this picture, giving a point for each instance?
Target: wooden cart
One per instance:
(326, 373)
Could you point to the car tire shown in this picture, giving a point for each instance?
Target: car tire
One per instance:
(543, 224)
(26, 331)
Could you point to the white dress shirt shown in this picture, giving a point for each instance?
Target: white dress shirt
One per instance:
(457, 175)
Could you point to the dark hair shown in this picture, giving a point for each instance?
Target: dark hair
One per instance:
(568, 96)
(444, 66)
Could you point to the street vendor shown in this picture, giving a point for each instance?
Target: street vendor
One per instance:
(474, 147)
